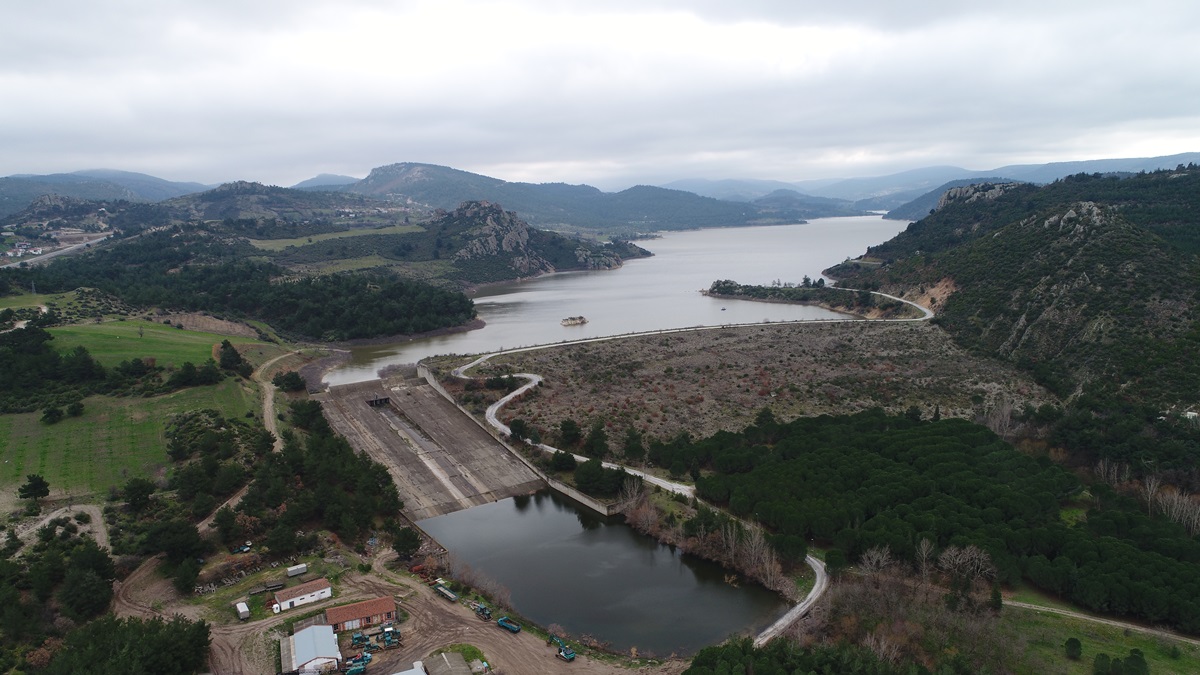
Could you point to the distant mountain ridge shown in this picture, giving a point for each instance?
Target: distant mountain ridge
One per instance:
(642, 208)
(325, 181)
(894, 190)
(679, 204)
(17, 192)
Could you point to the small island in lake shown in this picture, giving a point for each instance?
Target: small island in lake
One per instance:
(574, 321)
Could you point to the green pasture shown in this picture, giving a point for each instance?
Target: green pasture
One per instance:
(115, 341)
(280, 244)
(31, 300)
(114, 440)
(1047, 634)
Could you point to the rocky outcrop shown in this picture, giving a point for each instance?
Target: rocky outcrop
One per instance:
(974, 193)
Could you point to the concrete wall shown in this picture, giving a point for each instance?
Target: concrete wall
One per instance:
(561, 488)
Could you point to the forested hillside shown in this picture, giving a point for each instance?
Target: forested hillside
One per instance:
(873, 481)
(175, 269)
(1090, 284)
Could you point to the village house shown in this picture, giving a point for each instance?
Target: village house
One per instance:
(303, 594)
(361, 614)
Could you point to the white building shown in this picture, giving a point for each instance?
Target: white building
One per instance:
(303, 594)
(313, 650)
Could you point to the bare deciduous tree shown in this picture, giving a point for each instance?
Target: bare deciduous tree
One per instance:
(924, 555)
(1150, 487)
(876, 560)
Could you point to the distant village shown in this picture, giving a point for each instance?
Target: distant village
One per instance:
(22, 249)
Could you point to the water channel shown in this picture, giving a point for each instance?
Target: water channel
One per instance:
(561, 563)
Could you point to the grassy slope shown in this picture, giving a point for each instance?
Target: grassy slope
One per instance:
(1047, 634)
(116, 341)
(280, 244)
(118, 438)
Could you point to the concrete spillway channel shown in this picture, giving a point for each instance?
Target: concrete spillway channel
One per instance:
(440, 459)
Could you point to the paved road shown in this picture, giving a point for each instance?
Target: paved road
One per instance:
(54, 254)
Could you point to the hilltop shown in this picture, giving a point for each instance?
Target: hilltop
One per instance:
(1088, 283)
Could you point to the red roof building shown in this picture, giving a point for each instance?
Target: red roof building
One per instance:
(361, 614)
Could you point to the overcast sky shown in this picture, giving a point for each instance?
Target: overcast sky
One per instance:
(606, 92)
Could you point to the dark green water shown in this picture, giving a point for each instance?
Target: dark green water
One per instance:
(563, 564)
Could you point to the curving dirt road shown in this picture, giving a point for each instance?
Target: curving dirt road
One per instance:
(1108, 622)
(269, 421)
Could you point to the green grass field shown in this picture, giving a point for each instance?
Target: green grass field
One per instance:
(116, 439)
(1047, 633)
(280, 244)
(115, 341)
(30, 300)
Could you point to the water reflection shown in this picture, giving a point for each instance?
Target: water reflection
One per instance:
(565, 565)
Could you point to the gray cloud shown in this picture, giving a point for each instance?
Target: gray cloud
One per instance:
(608, 93)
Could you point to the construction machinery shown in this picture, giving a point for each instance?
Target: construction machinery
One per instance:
(359, 639)
(483, 612)
(389, 638)
(360, 660)
(564, 650)
(356, 670)
(508, 624)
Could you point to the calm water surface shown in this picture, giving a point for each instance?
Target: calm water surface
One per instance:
(649, 293)
(564, 565)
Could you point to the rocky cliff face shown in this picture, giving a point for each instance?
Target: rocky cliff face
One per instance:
(497, 233)
(974, 193)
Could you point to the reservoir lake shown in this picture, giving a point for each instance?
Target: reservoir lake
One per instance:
(646, 294)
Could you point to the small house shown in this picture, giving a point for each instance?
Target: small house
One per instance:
(297, 570)
(303, 594)
(243, 611)
(359, 615)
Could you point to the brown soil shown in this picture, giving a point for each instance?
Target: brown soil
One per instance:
(433, 623)
(210, 324)
(710, 380)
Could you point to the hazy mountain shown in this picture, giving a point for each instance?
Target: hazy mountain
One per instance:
(639, 209)
(731, 189)
(1046, 173)
(146, 187)
(326, 181)
(793, 205)
(902, 186)
(17, 192)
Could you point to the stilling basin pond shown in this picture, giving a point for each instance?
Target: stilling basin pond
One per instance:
(563, 564)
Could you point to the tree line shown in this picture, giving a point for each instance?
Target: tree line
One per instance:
(872, 480)
(190, 271)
